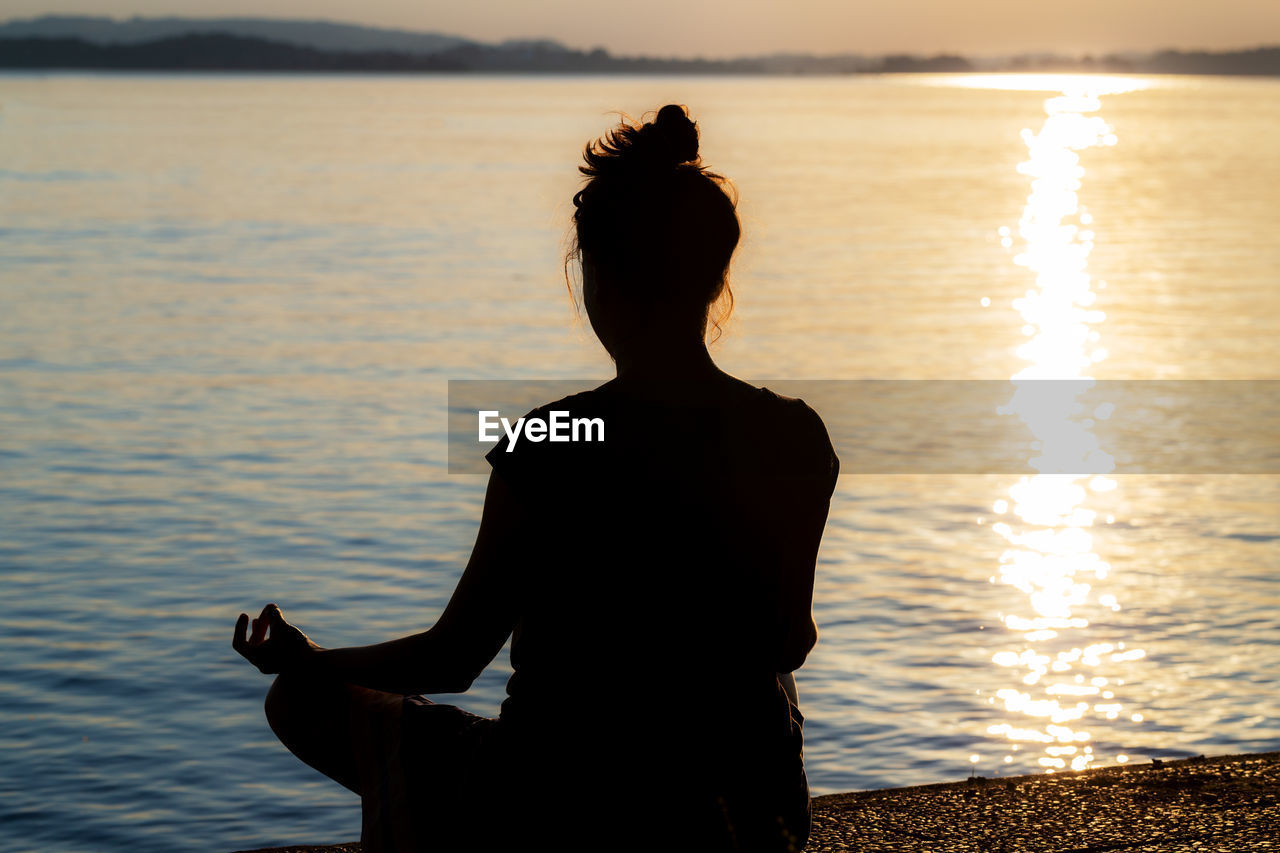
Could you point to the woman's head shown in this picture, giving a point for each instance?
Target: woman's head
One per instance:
(654, 232)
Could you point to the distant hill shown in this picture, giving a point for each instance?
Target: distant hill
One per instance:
(207, 52)
(220, 51)
(1261, 61)
(264, 44)
(215, 51)
(322, 35)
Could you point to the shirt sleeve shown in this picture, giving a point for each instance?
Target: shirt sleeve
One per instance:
(818, 460)
(515, 464)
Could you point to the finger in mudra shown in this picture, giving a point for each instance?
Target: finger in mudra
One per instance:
(273, 645)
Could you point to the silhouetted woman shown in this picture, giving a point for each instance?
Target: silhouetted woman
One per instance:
(656, 586)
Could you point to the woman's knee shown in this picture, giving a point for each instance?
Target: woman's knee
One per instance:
(303, 714)
(313, 720)
(281, 703)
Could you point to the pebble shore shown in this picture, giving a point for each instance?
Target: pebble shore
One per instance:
(1227, 803)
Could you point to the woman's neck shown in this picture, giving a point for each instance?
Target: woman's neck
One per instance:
(667, 361)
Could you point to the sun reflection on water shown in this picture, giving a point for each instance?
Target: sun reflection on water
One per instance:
(1061, 677)
(1068, 84)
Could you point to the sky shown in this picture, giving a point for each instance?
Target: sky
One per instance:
(720, 28)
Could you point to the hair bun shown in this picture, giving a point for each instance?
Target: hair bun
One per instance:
(644, 151)
(676, 136)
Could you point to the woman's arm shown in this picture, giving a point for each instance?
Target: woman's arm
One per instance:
(801, 532)
(801, 506)
(480, 615)
(443, 659)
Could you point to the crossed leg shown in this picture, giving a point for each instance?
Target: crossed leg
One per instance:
(352, 735)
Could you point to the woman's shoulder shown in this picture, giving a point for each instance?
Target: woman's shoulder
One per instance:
(612, 427)
(794, 407)
(559, 435)
(800, 436)
(793, 413)
(580, 401)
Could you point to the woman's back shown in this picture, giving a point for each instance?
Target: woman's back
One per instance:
(654, 577)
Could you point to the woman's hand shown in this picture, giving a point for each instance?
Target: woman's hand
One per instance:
(275, 645)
